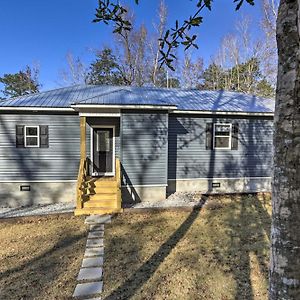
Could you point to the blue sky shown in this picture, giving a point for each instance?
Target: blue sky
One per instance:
(38, 31)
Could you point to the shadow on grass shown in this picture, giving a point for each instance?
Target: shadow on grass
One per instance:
(145, 272)
(247, 227)
(33, 279)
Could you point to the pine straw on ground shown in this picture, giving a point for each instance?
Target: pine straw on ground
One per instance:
(220, 252)
(40, 256)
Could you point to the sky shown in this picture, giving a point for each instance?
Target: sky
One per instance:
(43, 32)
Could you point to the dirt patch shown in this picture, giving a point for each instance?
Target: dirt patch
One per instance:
(40, 256)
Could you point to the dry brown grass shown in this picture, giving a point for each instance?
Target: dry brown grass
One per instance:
(40, 256)
(220, 252)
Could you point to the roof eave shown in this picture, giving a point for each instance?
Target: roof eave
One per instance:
(34, 108)
(215, 112)
(77, 107)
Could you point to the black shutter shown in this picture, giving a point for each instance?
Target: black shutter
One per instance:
(235, 136)
(209, 136)
(44, 136)
(20, 136)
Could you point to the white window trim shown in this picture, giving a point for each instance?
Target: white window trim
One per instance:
(37, 136)
(230, 136)
(114, 149)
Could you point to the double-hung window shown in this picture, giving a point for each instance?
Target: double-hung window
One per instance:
(222, 136)
(32, 136)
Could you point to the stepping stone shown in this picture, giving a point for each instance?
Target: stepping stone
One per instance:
(88, 289)
(91, 243)
(96, 234)
(96, 251)
(98, 219)
(90, 274)
(92, 262)
(97, 227)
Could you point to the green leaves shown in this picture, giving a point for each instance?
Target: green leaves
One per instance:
(110, 11)
(22, 83)
(240, 3)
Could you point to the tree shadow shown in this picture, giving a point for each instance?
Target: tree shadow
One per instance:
(35, 278)
(144, 153)
(130, 286)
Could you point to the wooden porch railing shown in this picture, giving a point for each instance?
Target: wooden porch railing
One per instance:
(118, 179)
(81, 178)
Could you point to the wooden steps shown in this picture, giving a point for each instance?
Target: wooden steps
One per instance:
(99, 195)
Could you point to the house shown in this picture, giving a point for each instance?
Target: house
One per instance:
(100, 145)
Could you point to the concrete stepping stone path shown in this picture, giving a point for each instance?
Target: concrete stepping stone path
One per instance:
(89, 278)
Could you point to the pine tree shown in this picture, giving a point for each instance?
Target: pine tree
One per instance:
(22, 83)
(105, 70)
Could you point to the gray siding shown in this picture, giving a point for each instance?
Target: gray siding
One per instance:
(144, 145)
(58, 162)
(188, 157)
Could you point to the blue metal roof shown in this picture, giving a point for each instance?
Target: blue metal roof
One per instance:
(192, 100)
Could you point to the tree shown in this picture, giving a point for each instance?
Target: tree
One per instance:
(105, 70)
(22, 83)
(192, 72)
(285, 254)
(154, 45)
(285, 234)
(243, 62)
(113, 11)
(268, 52)
(75, 71)
(213, 77)
(244, 77)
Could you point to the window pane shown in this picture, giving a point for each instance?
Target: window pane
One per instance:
(221, 142)
(222, 129)
(31, 130)
(31, 141)
(103, 144)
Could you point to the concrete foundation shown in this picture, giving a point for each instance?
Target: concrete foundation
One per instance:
(36, 193)
(219, 186)
(132, 194)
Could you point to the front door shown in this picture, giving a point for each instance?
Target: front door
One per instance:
(103, 152)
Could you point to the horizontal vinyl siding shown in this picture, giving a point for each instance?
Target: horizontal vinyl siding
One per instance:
(188, 157)
(144, 144)
(58, 162)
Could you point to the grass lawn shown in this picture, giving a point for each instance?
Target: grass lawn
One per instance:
(40, 256)
(221, 252)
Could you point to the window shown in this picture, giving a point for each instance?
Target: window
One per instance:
(222, 136)
(32, 136)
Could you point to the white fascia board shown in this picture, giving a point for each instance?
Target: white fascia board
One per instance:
(216, 178)
(32, 108)
(88, 114)
(154, 107)
(235, 113)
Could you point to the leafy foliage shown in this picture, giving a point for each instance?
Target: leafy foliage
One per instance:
(105, 70)
(22, 83)
(111, 11)
(244, 77)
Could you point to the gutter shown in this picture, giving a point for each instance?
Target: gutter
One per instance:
(77, 107)
(235, 113)
(35, 109)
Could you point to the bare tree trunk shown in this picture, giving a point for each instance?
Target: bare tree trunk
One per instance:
(285, 254)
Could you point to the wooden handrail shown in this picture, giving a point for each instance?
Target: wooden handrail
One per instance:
(82, 174)
(118, 178)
